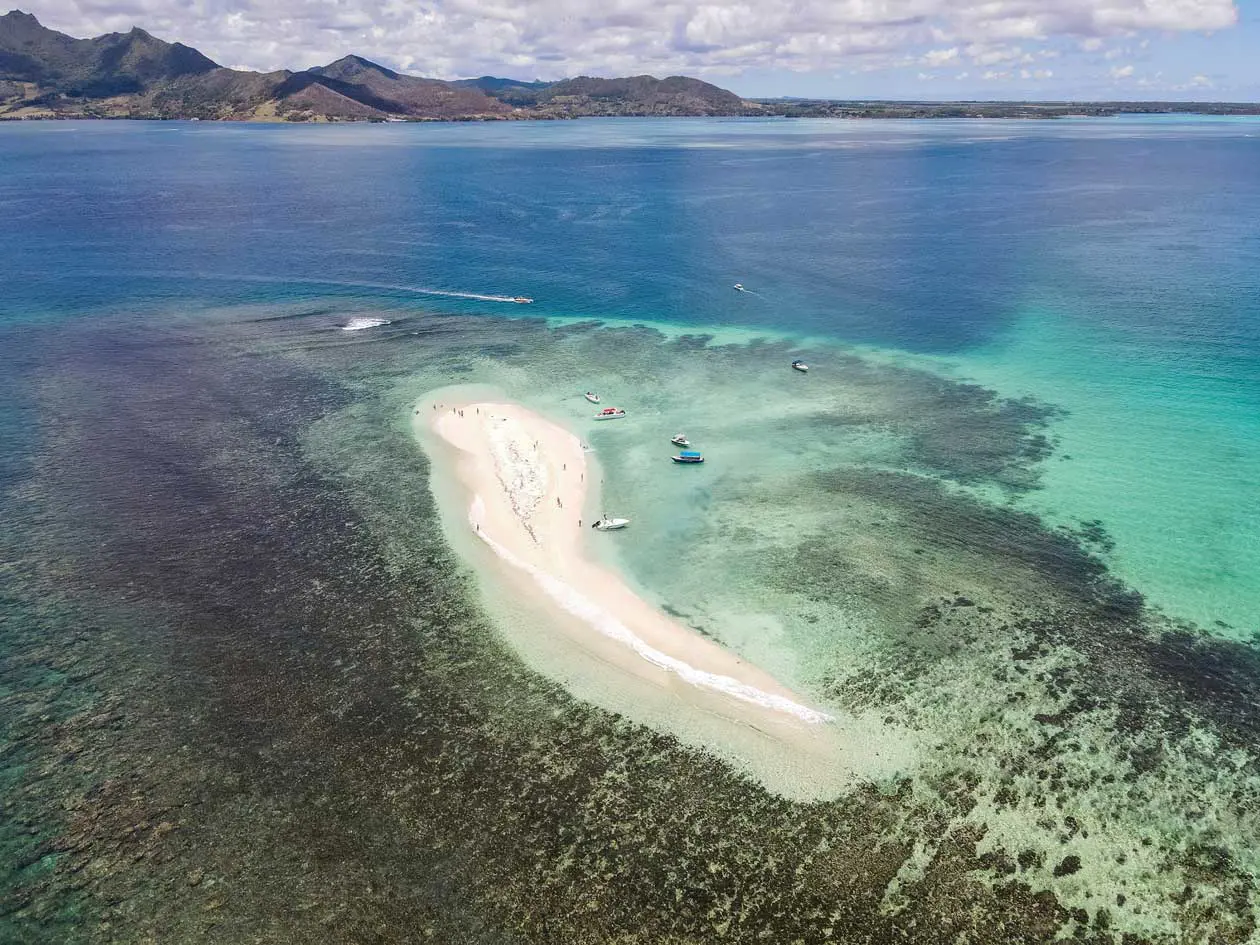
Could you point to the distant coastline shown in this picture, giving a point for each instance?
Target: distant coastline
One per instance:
(836, 110)
(45, 74)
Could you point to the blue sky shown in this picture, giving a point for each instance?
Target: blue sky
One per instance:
(909, 49)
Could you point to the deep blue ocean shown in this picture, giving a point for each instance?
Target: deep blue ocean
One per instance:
(927, 236)
(1109, 267)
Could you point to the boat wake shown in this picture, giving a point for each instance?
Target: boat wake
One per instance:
(461, 295)
(609, 626)
(345, 283)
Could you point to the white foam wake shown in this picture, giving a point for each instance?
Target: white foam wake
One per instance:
(459, 295)
(607, 624)
(361, 323)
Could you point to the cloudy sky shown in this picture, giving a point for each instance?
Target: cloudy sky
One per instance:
(927, 49)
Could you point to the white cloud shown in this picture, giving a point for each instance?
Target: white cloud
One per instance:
(1121, 72)
(982, 55)
(938, 57)
(1201, 82)
(551, 38)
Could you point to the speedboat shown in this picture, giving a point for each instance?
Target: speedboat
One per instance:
(522, 300)
(688, 456)
(610, 413)
(800, 366)
(607, 524)
(739, 287)
(592, 397)
(679, 439)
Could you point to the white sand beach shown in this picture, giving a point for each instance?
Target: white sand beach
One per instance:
(523, 483)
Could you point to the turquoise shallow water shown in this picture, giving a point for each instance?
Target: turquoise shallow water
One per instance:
(1159, 446)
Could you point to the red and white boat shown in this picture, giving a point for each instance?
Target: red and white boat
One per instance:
(610, 413)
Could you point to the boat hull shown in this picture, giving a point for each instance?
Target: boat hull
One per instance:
(610, 416)
(687, 462)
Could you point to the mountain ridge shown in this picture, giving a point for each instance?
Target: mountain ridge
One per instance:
(48, 74)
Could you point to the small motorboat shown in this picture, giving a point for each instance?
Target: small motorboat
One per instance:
(680, 439)
(592, 397)
(739, 287)
(801, 366)
(610, 413)
(522, 300)
(607, 524)
(688, 456)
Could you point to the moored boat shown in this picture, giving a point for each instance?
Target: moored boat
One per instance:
(680, 439)
(610, 413)
(591, 396)
(607, 524)
(688, 456)
(800, 366)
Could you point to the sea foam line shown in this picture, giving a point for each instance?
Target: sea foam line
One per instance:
(299, 280)
(608, 625)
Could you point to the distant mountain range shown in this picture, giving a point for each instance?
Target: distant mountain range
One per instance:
(46, 74)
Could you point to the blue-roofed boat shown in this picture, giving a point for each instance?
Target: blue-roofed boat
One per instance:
(688, 456)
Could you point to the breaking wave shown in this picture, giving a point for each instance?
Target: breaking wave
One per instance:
(362, 323)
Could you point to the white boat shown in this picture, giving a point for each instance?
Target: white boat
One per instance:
(607, 524)
(592, 397)
(739, 287)
(610, 413)
(800, 366)
(522, 300)
(680, 439)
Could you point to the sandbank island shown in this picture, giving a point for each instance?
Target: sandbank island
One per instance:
(516, 492)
